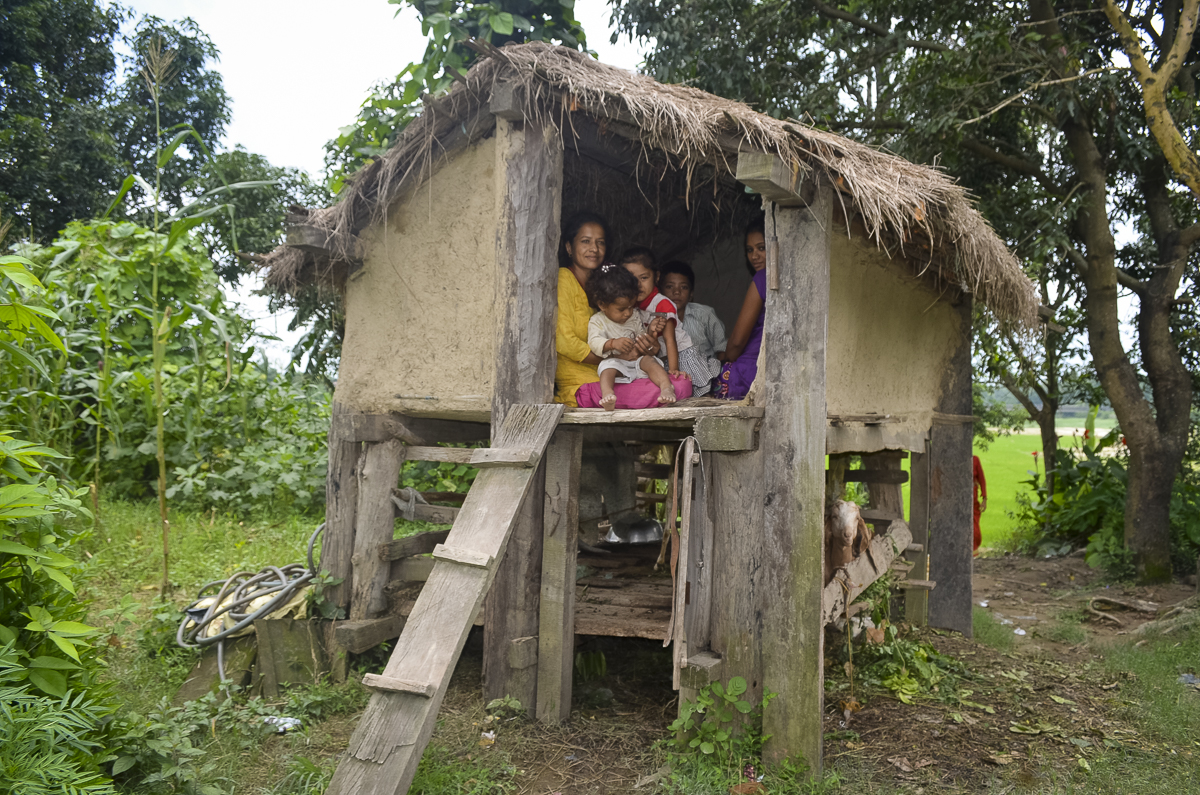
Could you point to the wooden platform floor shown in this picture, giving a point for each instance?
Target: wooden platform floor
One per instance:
(625, 597)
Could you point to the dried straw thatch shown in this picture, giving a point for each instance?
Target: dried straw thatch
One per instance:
(899, 203)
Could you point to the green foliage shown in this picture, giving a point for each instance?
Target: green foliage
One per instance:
(711, 723)
(505, 708)
(448, 23)
(48, 746)
(238, 436)
(908, 667)
(992, 417)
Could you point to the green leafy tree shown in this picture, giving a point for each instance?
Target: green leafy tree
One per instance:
(449, 24)
(57, 159)
(1025, 103)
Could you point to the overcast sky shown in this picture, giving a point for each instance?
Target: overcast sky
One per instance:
(297, 70)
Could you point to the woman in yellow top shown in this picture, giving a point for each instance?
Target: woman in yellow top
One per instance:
(585, 239)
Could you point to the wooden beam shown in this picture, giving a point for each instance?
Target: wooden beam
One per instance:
(376, 518)
(916, 603)
(793, 487)
(317, 240)
(454, 455)
(350, 426)
(497, 457)
(727, 433)
(777, 181)
(435, 514)
(556, 624)
(658, 416)
(508, 101)
(881, 477)
(420, 544)
(529, 173)
(852, 579)
(360, 636)
(341, 506)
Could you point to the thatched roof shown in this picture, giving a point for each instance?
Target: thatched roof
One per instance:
(898, 203)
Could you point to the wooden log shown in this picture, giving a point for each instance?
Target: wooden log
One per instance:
(793, 433)
(556, 624)
(882, 477)
(290, 652)
(529, 176)
(851, 580)
(950, 487)
(355, 427)
(420, 544)
(387, 745)
(434, 514)
(360, 636)
(376, 518)
(678, 636)
(341, 506)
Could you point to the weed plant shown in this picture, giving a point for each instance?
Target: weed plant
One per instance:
(991, 632)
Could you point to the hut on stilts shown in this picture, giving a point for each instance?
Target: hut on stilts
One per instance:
(445, 250)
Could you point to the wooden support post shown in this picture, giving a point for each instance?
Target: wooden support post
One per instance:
(793, 440)
(529, 187)
(699, 564)
(679, 637)
(374, 526)
(341, 504)
(916, 602)
(884, 493)
(950, 484)
(560, 543)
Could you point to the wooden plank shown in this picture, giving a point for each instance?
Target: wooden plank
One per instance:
(853, 578)
(916, 603)
(727, 433)
(777, 181)
(793, 487)
(950, 486)
(341, 506)
(457, 455)
(360, 636)
(659, 416)
(917, 585)
(290, 652)
(508, 100)
(700, 569)
(420, 544)
(849, 438)
(615, 621)
(529, 183)
(652, 471)
(350, 426)
(387, 745)
(861, 419)
(435, 514)
(560, 543)
(376, 518)
(679, 619)
(495, 457)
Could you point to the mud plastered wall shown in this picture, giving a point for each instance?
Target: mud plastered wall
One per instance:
(420, 313)
(890, 337)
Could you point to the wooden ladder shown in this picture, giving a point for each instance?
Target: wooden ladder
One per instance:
(387, 745)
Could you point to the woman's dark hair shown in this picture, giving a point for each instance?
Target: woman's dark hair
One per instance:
(610, 282)
(680, 267)
(571, 229)
(642, 254)
(757, 225)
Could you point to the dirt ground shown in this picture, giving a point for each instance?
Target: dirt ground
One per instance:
(1036, 706)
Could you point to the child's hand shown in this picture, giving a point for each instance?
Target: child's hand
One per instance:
(678, 373)
(621, 345)
(657, 326)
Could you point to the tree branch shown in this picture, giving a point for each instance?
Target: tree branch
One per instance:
(1190, 236)
(1124, 278)
(832, 12)
(1017, 164)
(1155, 85)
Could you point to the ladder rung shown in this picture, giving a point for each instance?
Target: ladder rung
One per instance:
(916, 585)
(505, 457)
(466, 557)
(915, 548)
(379, 682)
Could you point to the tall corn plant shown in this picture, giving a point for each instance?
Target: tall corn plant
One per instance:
(157, 71)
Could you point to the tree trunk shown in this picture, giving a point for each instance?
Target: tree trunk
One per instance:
(1047, 418)
(1148, 512)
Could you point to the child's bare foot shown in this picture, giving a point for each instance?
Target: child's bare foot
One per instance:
(667, 397)
(609, 402)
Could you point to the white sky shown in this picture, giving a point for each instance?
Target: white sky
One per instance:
(297, 70)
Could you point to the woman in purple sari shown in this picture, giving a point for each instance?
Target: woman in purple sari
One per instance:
(741, 353)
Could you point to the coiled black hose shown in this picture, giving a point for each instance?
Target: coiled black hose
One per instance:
(234, 594)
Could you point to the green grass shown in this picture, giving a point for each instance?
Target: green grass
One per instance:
(989, 631)
(1006, 462)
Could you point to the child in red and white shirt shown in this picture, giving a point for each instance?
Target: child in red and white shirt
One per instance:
(660, 315)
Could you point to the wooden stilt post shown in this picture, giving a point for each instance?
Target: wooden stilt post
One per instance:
(793, 440)
(916, 601)
(556, 635)
(341, 505)
(374, 527)
(950, 509)
(529, 182)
